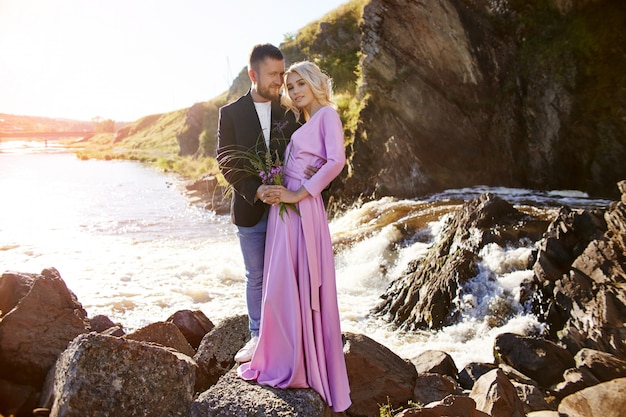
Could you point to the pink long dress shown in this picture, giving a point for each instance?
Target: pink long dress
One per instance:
(300, 342)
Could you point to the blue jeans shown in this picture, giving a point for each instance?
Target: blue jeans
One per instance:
(252, 242)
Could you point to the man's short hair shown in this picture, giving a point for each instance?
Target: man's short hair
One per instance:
(262, 51)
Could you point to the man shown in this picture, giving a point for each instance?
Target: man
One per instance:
(250, 123)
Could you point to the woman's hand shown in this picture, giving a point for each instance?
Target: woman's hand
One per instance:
(288, 196)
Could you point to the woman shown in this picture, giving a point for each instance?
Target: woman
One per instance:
(300, 343)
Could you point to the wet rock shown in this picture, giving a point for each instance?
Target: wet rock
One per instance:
(109, 376)
(566, 239)
(583, 301)
(377, 375)
(193, 325)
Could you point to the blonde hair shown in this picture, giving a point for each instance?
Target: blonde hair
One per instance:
(321, 85)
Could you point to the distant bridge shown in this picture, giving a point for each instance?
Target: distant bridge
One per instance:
(44, 135)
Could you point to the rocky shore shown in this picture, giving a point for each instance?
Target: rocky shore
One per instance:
(56, 360)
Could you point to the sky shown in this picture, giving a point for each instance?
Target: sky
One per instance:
(125, 59)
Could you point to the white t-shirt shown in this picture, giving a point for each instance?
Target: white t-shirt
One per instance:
(264, 111)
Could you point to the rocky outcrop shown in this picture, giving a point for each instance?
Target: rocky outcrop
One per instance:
(458, 93)
(423, 297)
(580, 274)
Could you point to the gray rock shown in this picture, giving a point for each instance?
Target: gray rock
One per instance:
(216, 353)
(105, 376)
(423, 297)
(232, 396)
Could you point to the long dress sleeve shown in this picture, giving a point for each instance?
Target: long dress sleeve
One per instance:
(331, 132)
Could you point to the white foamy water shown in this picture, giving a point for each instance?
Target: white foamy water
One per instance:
(130, 246)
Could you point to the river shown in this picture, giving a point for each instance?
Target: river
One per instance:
(130, 246)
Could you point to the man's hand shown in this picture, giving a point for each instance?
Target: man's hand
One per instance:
(268, 194)
(311, 170)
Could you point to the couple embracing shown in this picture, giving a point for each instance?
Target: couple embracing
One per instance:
(282, 225)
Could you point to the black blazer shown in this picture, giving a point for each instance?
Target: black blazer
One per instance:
(239, 128)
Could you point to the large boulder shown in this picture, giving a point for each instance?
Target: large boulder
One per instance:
(232, 396)
(40, 317)
(607, 399)
(495, 395)
(376, 374)
(101, 375)
(540, 359)
(216, 354)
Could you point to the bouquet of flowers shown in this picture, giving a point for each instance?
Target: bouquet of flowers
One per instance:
(268, 166)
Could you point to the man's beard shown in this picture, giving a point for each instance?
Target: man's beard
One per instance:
(267, 93)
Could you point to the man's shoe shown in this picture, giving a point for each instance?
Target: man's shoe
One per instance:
(246, 352)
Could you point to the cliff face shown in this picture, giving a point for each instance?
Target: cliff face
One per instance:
(460, 92)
